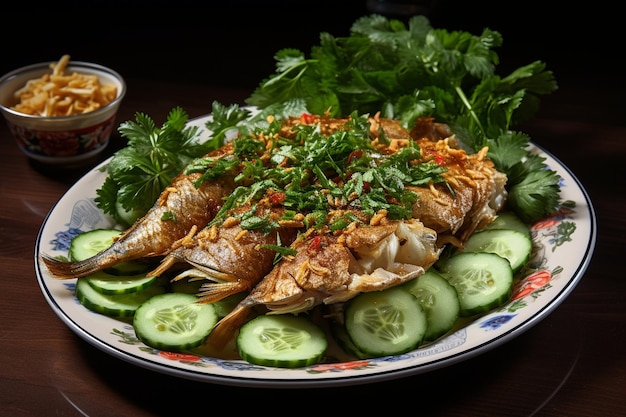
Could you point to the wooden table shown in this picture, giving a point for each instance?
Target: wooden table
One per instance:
(571, 363)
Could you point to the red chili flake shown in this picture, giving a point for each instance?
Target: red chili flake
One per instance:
(316, 243)
(307, 118)
(277, 198)
(355, 155)
(439, 158)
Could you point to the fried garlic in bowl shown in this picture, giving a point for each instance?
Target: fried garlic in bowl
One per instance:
(63, 112)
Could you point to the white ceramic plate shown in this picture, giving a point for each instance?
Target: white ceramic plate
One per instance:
(564, 242)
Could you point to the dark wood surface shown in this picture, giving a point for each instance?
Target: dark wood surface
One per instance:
(571, 363)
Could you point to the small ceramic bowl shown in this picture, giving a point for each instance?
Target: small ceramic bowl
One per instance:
(60, 140)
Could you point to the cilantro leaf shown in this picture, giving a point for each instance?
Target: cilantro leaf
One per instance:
(139, 172)
(412, 70)
(536, 196)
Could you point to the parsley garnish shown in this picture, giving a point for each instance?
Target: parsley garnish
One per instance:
(317, 173)
(415, 71)
(139, 172)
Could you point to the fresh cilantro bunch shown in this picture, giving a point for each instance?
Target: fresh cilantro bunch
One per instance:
(410, 72)
(139, 172)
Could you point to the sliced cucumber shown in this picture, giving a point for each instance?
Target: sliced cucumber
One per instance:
(123, 278)
(129, 268)
(439, 300)
(115, 305)
(510, 244)
(126, 217)
(509, 220)
(174, 321)
(342, 338)
(113, 284)
(88, 244)
(283, 341)
(483, 280)
(223, 306)
(387, 322)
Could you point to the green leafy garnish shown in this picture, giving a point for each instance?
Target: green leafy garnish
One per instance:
(139, 172)
(316, 173)
(418, 71)
(402, 71)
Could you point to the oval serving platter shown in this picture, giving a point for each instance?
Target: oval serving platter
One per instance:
(564, 245)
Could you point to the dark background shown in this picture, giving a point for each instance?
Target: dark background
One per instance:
(232, 43)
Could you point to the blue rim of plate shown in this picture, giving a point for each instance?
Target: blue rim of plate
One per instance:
(572, 229)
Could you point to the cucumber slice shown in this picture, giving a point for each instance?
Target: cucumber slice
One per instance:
(174, 321)
(126, 217)
(112, 284)
(509, 220)
(483, 280)
(387, 322)
(283, 341)
(88, 244)
(439, 300)
(129, 268)
(510, 244)
(114, 305)
(226, 305)
(342, 338)
(223, 306)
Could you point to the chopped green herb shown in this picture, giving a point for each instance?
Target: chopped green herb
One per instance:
(416, 71)
(139, 172)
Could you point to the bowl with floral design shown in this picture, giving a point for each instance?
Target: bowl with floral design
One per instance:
(62, 112)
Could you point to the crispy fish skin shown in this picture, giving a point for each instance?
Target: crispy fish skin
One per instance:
(233, 259)
(473, 192)
(469, 199)
(331, 268)
(184, 204)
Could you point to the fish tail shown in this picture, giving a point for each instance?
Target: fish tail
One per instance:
(228, 326)
(66, 270)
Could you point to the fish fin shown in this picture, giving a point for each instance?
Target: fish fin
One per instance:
(167, 262)
(211, 292)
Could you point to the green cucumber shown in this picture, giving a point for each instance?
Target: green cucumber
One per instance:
(510, 244)
(174, 321)
(439, 300)
(129, 268)
(123, 278)
(340, 334)
(90, 243)
(113, 284)
(387, 322)
(508, 220)
(192, 286)
(114, 305)
(282, 340)
(483, 280)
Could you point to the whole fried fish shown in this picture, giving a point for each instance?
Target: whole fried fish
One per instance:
(330, 268)
(180, 207)
(231, 257)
